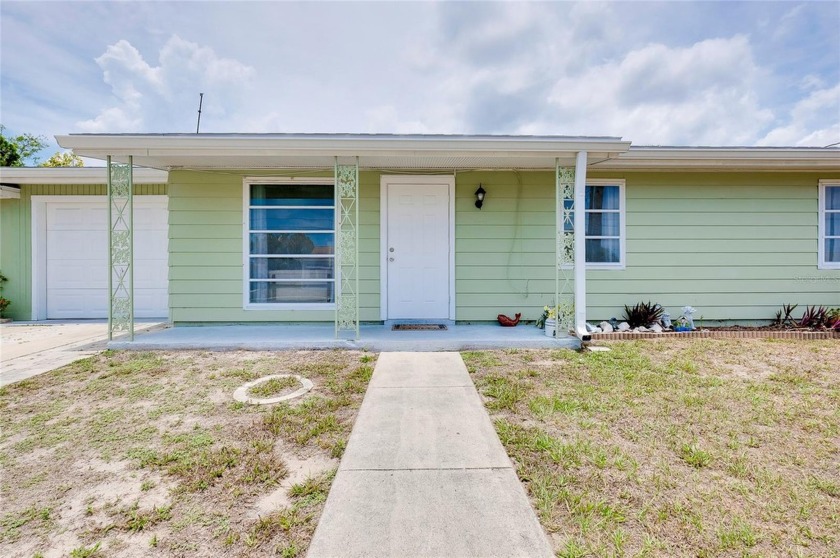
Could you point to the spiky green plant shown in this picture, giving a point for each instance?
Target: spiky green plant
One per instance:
(643, 314)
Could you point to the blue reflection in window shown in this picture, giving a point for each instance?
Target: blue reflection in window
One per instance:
(292, 194)
(292, 219)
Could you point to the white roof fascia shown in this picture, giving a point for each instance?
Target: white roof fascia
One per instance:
(173, 146)
(725, 158)
(75, 175)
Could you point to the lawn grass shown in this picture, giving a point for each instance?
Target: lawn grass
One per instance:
(125, 452)
(677, 447)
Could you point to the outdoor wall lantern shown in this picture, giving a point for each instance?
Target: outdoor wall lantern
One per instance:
(479, 196)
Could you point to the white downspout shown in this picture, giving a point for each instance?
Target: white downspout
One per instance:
(580, 247)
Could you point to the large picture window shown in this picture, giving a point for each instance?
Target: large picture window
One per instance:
(829, 225)
(291, 243)
(604, 223)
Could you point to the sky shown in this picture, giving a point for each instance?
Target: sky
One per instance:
(655, 73)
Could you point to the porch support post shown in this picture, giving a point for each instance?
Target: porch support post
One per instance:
(347, 249)
(564, 287)
(580, 245)
(120, 248)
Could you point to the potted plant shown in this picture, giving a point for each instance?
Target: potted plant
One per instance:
(548, 320)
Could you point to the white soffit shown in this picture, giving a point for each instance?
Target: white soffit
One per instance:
(75, 175)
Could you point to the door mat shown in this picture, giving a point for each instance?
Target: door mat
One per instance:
(409, 327)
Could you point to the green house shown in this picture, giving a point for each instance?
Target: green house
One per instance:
(349, 229)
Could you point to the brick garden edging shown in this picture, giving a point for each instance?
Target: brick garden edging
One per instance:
(719, 334)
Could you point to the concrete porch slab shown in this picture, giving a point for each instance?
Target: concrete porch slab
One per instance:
(374, 337)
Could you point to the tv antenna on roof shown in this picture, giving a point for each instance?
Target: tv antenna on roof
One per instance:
(200, 100)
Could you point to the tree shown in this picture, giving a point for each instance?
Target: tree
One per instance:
(65, 159)
(9, 156)
(27, 147)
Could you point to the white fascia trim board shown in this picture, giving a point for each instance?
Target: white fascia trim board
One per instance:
(180, 145)
(76, 175)
(648, 158)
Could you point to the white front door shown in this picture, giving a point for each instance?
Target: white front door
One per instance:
(417, 247)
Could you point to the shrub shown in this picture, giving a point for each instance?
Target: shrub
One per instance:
(814, 317)
(833, 319)
(784, 316)
(643, 314)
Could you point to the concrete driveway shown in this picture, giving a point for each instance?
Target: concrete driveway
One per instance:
(31, 348)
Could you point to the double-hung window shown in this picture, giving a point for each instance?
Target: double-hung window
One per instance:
(604, 227)
(290, 257)
(829, 230)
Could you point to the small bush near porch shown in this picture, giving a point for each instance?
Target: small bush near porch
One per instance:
(675, 448)
(136, 454)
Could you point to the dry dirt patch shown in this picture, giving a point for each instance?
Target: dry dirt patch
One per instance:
(675, 447)
(130, 453)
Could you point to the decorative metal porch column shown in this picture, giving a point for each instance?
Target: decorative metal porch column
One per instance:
(564, 286)
(347, 249)
(120, 248)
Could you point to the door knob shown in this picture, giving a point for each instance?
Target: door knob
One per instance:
(391, 249)
(390, 259)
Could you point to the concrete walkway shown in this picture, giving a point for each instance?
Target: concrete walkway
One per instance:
(424, 473)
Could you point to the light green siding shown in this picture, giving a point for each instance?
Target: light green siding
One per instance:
(15, 257)
(16, 237)
(206, 249)
(504, 253)
(734, 245)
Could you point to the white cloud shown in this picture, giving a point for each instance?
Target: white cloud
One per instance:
(165, 97)
(692, 73)
(386, 119)
(814, 121)
(699, 95)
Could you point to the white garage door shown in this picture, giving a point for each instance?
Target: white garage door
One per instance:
(77, 258)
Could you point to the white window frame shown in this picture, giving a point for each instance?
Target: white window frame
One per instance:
(246, 245)
(622, 226)
(823, 234)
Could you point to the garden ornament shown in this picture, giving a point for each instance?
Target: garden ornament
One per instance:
(666, 319)
(687, 312)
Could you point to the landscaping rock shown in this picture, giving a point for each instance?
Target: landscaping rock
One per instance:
(623, 326)
(606, 327)
(641, 329)
(656, 328)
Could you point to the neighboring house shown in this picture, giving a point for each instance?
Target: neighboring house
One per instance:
(349, 228)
